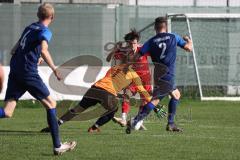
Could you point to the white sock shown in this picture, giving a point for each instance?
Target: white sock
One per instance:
(60, 121)
(124, 116)
(96, 125)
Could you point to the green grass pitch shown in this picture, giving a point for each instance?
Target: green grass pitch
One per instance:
(211, 131)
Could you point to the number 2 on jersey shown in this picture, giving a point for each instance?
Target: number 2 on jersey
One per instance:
(162, 46)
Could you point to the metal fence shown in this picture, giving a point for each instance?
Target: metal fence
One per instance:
(86, 29)
(193, 3)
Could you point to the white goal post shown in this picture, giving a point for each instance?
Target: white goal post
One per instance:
(231, 30)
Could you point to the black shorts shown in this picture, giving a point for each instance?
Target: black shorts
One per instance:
(98, 95)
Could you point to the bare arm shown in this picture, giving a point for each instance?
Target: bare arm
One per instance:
(188, 46)
(48, 59)
(46, 55)
(13, 50)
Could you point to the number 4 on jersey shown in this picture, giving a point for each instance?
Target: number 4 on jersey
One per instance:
(23, 40)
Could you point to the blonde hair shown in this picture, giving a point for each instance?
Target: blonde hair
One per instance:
(45, 11)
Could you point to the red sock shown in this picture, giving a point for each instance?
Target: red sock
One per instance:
(125, 107)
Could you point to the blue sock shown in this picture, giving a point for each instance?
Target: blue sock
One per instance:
(172, 107)
(143, 113)
(53, 125)
(2, 113)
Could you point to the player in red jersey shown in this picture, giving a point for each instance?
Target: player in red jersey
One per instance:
(142, 69)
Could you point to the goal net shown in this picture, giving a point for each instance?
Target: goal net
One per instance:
(212, 70)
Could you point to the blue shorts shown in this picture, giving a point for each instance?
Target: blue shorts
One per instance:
(18, 85)
(163, 86)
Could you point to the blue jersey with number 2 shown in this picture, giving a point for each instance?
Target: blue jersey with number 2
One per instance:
(162, 48)
(24, 61)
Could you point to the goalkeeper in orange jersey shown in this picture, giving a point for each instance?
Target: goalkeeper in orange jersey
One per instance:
(141, 67)
(105, 92)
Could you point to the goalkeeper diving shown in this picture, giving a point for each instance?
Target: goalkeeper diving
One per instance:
(105, 92)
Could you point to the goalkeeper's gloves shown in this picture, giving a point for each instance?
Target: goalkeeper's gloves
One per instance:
(160, 111)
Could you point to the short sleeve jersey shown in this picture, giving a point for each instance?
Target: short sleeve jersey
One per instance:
(163, 48)
(24, 61)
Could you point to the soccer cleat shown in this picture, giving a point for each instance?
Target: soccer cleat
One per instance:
(173, 128)
(93, 129)
(119, 121)
(67, 146)
(45, 130)
(129, 126)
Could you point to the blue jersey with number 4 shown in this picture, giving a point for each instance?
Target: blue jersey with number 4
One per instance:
(24, 61)
(163, 48)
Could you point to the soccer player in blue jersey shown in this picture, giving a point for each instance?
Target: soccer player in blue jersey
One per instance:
(163, 49)
(24, 76)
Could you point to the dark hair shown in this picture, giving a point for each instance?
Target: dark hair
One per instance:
(160, 22)
(133, 34)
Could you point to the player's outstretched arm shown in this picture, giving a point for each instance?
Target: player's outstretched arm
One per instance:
(188, 46)
(138, 82)
(48, 59)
